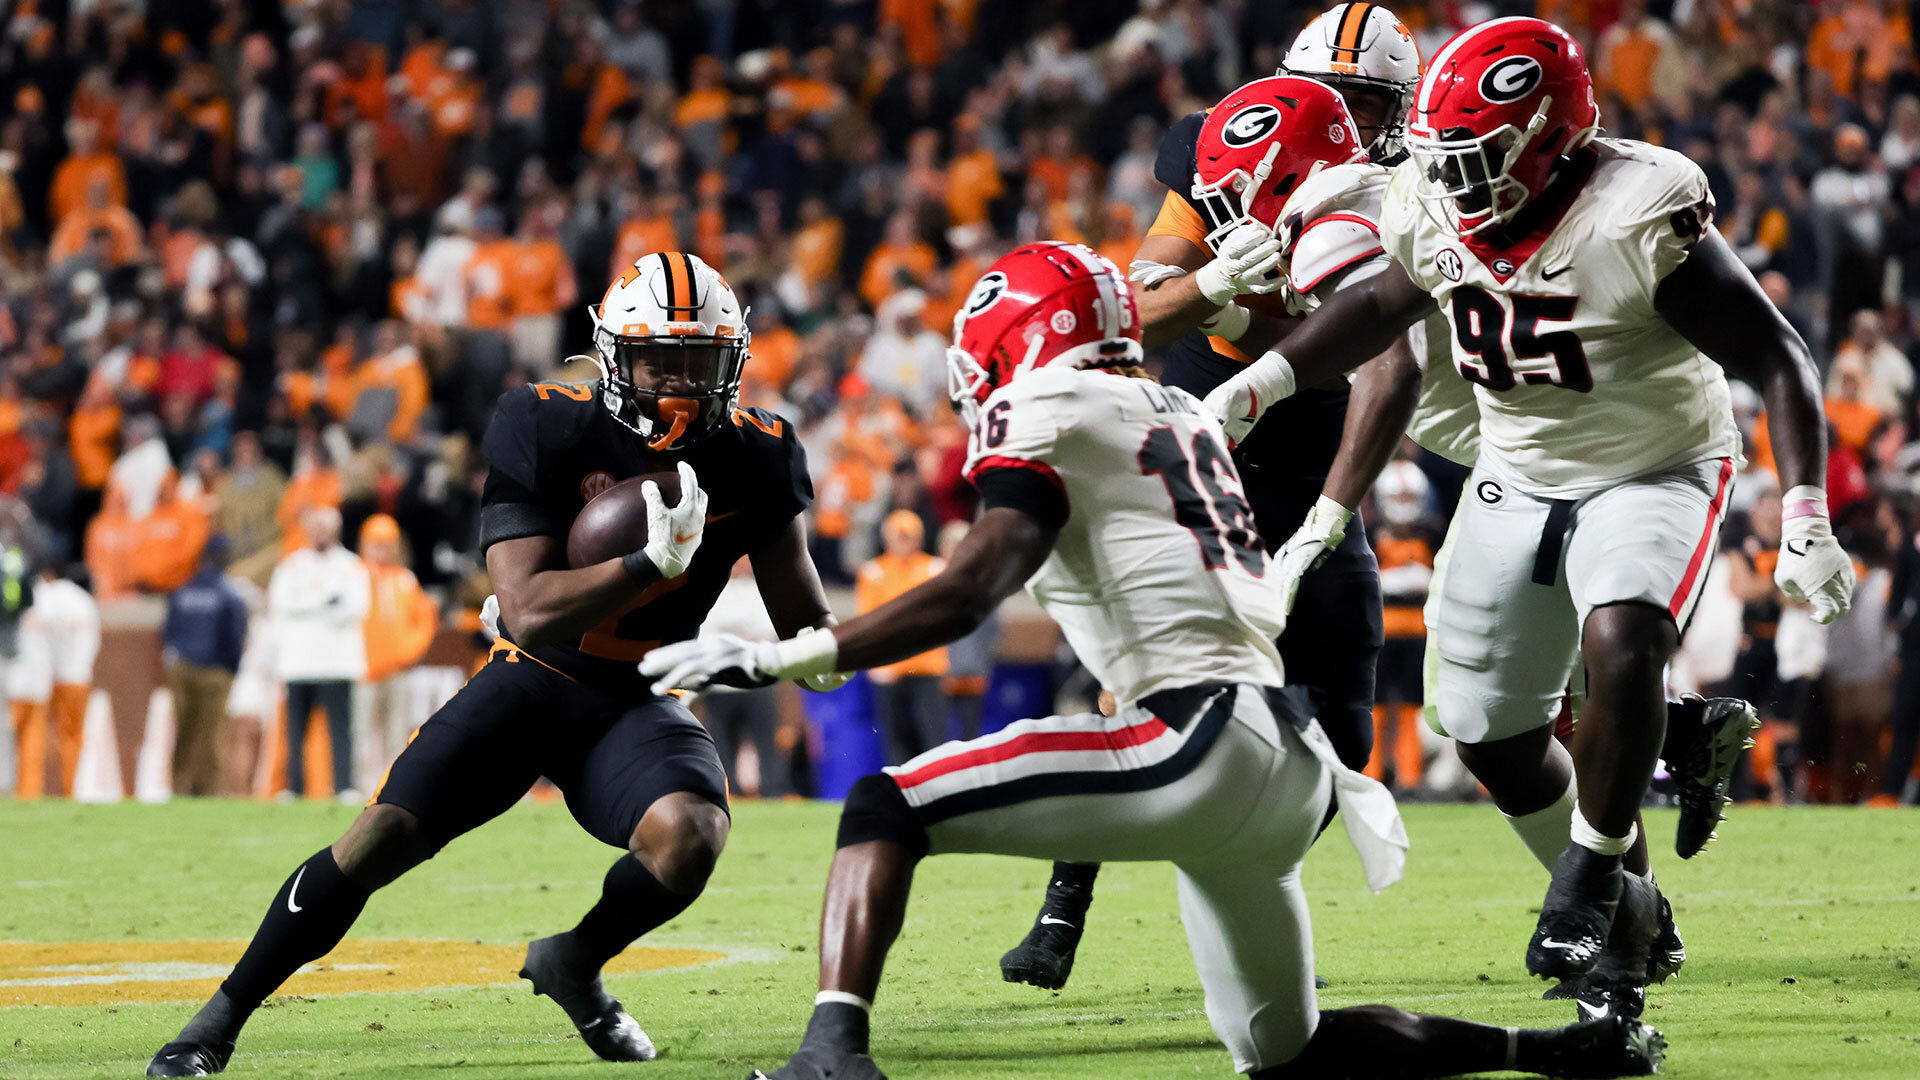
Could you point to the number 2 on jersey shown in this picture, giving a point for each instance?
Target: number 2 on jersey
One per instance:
(1219, 517)
(1481, 327)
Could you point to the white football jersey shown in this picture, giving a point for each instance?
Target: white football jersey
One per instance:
(1158, 578)
(1581, 383)
(1336, 244)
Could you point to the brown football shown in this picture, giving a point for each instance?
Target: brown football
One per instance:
(614, 522)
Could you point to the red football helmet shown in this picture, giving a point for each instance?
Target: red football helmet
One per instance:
(1041, 304)
(1500, 106)
(1264, 140)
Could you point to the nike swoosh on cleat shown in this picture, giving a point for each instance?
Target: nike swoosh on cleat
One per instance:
(1593, 1012)
(294, 890)
(1048, 920)
(1569, 946)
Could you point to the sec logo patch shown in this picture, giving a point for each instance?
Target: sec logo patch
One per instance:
(594, 483)
(1449, 264)
(1064, 322)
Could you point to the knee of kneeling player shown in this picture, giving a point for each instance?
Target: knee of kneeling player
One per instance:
(680, 846)
(877, 810)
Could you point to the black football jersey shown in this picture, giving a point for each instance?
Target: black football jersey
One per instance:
(1285, 460)
(552, 446)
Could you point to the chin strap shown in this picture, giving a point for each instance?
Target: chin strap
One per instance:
(680, 411)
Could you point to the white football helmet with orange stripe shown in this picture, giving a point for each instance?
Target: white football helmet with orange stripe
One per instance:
(1365, 52)
(670, 338)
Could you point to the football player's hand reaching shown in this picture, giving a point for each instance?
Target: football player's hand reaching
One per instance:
(820, 684)
(1309, 546)
(693, 664)
(1813, 569)
(674, 532)
(1247, 261)
(1239, 402)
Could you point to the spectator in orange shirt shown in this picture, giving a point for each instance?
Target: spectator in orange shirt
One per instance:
(391, 389)
(919, 29)
(315, 485)
(907, 700)
(111, 538)
(400, 624)
(541, 285)
(649, 228)
(843, 493)
(85, 162)
(1639, 59)
(485, 344)
(100, 212)
(1121, 237)
(1853, 420)
(973, 175)
(901, 259)
(1061, 163)
(92, 432)
(773, 353)
(167, 542)
(1858, 42)
(817, 244)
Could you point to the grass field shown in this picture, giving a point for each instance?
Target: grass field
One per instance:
(1804, 927)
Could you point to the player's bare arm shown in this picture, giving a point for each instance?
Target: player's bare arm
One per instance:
(1385, 392)
(1715, 303)
(542, 602)
(998, 555)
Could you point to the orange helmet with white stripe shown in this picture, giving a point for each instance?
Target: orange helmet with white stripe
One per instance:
(670, 338)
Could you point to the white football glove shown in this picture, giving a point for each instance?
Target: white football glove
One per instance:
(820, 684)
(673, 533)
(1247, 261)
(1240, 401)
(691, 665)
(1812, 569)
(490, 616)
(1309, 546)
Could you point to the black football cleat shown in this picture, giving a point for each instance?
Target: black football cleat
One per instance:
(1044, 958)
(823, 1063)
(1576, 914)
(574, 986)
(1704, 739)
(184, 1058)
(1668, 953)
(1617, 985)
(1614, 1046)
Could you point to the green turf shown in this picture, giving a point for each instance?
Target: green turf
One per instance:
(1803, 927)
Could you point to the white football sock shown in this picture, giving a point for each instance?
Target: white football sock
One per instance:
(1545, 830)
(1584, 834)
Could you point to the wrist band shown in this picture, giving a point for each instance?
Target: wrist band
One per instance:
(1803, 501)
(640, 568)
(807, 654)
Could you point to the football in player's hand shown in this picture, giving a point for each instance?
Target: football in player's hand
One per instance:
(614, 522)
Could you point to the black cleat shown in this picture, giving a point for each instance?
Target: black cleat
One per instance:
(1576, 914)
(1617, 985)
(183, 1058)
(1704, 739)
(1615, 1046)
(1044, 958)
(823, 1063)
(1668, 953)
(575, 986)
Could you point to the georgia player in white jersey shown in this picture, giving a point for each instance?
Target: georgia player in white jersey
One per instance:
(1115, 501)
(1587, 293)
(1331, 225)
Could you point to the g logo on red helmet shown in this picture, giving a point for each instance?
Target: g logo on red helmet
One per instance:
(1250, 125)
(986, 293)
(1510, 79)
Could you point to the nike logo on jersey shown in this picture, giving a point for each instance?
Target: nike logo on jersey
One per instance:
(711, 518)
(1048, 920)
(1549, 275)
(294, 891)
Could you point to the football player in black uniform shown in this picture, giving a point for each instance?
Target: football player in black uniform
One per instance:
(1334, 635)
(560, 695)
